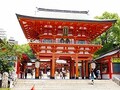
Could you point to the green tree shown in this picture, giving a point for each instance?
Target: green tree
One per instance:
(7, 54)
(111, 38)
(25, 48)
(9, 51)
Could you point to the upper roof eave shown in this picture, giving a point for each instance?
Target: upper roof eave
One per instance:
(63, 19)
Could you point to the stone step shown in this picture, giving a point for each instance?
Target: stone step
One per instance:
(27, 84)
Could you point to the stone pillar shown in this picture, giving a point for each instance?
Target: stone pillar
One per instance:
(5, 80)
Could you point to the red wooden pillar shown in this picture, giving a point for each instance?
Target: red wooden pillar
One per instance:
(18, 68)
(45, 68)
(82, 69)
(101, 70)
(110, 67)
(52, 74)
(72, 75)
(70, 69)
(86, 67)
(73, 69)
(37, 72)
(76, 67)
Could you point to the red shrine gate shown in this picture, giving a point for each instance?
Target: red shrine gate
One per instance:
(63, 39)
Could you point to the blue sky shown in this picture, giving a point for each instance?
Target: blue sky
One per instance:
(8, 8)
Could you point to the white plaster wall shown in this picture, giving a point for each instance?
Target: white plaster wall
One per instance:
(105, 76)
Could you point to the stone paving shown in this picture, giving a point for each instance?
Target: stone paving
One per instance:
(27, 84)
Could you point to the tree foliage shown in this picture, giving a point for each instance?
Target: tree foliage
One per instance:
(9, 52)
(7, 55)
(25, 48)
(111, 38)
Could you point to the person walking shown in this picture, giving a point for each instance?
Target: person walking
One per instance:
(32, 72)
(64, 74)
(61, 75)
(92, 76)
(98, 74)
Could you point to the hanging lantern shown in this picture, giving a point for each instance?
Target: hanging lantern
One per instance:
(37, 64)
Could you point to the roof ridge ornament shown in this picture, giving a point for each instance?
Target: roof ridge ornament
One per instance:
(63, 11)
